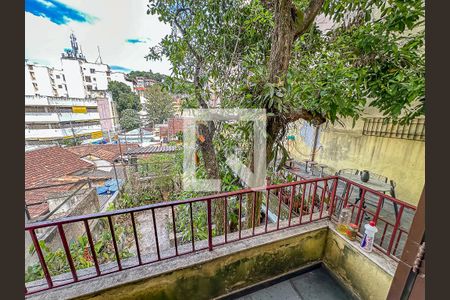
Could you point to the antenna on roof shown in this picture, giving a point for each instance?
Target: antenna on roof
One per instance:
(99, 58)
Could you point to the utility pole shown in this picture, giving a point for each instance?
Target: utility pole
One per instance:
(73, 133)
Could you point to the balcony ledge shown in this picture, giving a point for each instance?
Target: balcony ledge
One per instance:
(135, 276)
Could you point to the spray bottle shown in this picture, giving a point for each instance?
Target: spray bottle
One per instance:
(369, 236)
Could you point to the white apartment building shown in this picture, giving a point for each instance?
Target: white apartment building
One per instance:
(121, 77)
(52, 119)
(51, 95)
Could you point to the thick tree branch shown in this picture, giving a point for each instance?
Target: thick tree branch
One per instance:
(183, 32)
(304, 114)
(310, 14)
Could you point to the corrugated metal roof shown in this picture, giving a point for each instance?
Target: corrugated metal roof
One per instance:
(151, 149)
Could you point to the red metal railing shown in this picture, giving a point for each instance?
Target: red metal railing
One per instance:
(295, 203)
(398, 218)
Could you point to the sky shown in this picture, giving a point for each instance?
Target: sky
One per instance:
(121, 28)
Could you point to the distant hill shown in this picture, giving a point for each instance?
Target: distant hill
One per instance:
(147, 74)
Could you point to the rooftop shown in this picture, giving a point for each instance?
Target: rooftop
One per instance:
(108, 152)
(151, 150)
(46, 164)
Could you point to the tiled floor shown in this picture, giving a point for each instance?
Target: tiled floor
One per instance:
(317, 284)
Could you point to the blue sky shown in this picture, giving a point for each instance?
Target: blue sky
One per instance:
(121, 28)
(135, 41)
(119, 68)
(57, 12)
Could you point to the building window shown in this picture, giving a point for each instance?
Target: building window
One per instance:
(64, 78)
(87, 78)
(35, 86)
(94, 79)
(57, 76)
(59, 86)
(92, 71)
(385, 128)
(89, 87)
(33, 76)
(30, 67)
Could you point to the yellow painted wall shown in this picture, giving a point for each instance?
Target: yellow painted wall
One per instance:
(399, 159)
(227, 273)
(366, 278)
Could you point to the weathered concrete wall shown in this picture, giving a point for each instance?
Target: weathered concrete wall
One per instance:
(364, 277)
(399, 159)
(226, 274)
(86, 203)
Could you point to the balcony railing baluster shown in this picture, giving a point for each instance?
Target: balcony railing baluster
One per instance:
(41, 258)
(91, 245)
(67, 251)
(133, 222)
(156, 235)
(192, 227)
(113, 237)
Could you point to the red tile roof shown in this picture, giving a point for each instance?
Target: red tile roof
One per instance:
(43, 165)
(108, 152)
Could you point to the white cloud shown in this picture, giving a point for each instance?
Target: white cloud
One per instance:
(117, 21)
(46, 3)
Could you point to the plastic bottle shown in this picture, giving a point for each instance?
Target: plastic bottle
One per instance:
(344, 220)
(369, 236)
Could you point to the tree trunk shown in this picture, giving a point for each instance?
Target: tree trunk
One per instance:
(290, 23)
(212, 170)
(252, 213)
(282, 40)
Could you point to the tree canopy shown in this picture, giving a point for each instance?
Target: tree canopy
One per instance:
(129, 119)
(147, 74)
(159, 104)
(270, 54)
(123, 97)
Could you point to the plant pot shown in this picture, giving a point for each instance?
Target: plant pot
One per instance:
(365, 176)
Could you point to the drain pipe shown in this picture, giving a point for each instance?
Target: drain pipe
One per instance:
(316, 137)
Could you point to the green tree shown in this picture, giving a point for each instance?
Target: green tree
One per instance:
(123, 97)
(159, 104)
(265, 54)
(129, 119)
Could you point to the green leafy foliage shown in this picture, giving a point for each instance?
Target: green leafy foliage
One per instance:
(159, 105)
(82, 258)
(382, 47)
(123, 97)
(129, 119)
(372, 57)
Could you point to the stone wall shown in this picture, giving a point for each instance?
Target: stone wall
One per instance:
(88, 203)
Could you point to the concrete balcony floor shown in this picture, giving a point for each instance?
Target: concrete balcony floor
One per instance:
(311, 285)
